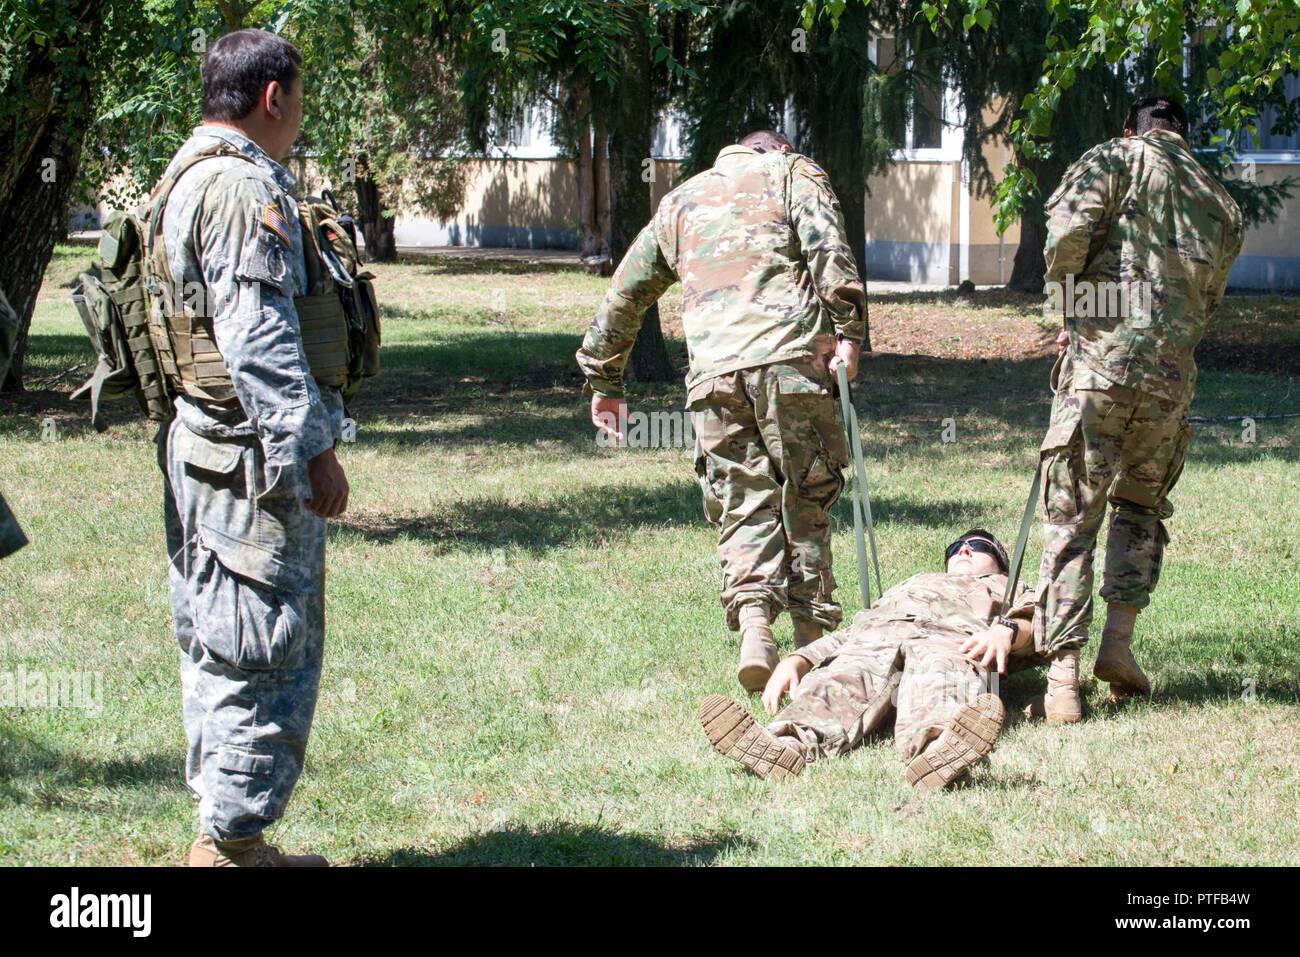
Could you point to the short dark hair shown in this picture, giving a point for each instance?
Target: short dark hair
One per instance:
(764, 140)
(237, 68)
(1157, 113)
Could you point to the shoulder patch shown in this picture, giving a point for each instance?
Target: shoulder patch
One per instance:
(273, 220)
(812, 169)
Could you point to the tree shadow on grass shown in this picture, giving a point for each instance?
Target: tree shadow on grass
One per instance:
(592, 516)
(518, 264)
(31, 772)
(561, 844)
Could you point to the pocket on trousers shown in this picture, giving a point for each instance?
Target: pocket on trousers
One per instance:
(823, 483)
(704, 475)
(249, 525)
(242, 621)
(244, 762)
(790, 381)
(1061, 459)
(1177, 460)
(698, 395)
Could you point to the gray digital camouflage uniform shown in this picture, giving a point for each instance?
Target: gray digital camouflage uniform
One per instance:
(899, 659)
(11, 535)
(247, 559)
(1132, 210)
(768, 282)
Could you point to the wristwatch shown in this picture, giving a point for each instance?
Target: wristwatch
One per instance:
(1009, 623)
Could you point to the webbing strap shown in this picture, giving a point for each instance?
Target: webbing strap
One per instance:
(1026, 520)
(859, 497)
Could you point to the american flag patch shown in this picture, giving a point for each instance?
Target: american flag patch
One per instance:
(275, 222)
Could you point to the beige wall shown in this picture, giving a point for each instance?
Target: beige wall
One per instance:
(529, 203)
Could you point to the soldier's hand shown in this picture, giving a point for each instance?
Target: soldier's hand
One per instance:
(846, 354)
(607, 414)
(989, 646)
(785, 680)
(1062, 341)
(329, 485)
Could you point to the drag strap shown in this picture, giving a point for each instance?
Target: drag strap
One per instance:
(1026, 520)
(860, 499)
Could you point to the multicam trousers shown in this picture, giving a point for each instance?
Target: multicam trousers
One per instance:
(770, 453)
(894, 669)
(247, 575)
(1105, 443)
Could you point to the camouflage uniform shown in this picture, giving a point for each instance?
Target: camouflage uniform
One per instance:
(899, 658)
(247, 568)
(768, 282)
(1131, 210)
(11, 535)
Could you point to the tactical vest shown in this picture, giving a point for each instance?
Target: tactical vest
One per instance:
(338, 316)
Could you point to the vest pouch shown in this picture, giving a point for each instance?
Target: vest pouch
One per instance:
(324, 328)
(368, 306)
(119, 241)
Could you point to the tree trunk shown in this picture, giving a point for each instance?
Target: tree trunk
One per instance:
(1030, 267)
(42, 152)
(600, 184)
(376, 228)
(630, 193)
(588, 237)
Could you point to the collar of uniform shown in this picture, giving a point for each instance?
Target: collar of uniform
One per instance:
(246, 146)
(734, 153)
(1168, 135)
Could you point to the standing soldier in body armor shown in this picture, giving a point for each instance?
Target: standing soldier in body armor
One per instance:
(11, 535)
(249, 459)
(1137, 215)
(770, 297)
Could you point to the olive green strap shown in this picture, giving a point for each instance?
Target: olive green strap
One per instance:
(859, 497)
(1026, 520)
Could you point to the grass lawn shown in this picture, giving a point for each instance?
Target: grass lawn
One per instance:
(521, 623)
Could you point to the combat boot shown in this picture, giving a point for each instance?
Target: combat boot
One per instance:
(1062, 703)
(757, 648)
(736, 735)
(1115, 662)
(247, 852)
(964, 742)
(806, 632)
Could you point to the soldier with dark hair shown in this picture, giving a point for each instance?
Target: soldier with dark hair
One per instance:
(249, 458)
(921, 655)
(11, 534)
(772, 305)
(1140, 215)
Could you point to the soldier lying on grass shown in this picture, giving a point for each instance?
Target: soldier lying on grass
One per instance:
(922, 653)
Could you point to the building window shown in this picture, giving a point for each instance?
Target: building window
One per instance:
(517, 129)
(1270, 142)
(922, 126)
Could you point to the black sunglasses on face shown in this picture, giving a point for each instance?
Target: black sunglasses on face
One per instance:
(976, 545)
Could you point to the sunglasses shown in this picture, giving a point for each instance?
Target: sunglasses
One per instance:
(976, 545)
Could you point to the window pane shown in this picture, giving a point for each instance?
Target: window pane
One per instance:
(1268, 117)
(927, 127)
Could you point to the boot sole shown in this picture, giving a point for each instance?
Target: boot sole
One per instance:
(964, 743)
(736, 735)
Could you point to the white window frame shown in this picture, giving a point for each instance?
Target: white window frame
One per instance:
(541, 145)
(951, 132)
(1258, 157)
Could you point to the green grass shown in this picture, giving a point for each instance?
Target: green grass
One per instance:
(521, 624)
